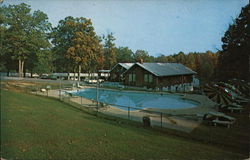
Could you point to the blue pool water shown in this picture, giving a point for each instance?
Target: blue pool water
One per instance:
(137, 99)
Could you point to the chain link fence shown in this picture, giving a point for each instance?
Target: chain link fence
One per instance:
(146, 117)
(235, 139)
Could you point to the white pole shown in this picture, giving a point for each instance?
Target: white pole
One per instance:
(97, 94)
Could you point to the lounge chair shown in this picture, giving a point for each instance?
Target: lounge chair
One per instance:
(219, 118)
(236, 105)
(227, 123)
(232, 109)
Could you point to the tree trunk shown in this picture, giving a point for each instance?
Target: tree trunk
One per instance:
(20, 67)
(74, 75)
(79, 71)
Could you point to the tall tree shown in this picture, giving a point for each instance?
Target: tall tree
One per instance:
(61, 37)
(109, 51)
(190, 61)
(85, 46)
(161, 59)
(76, 46)
(124, 55)
(234, 58)
(82, 48)
(142, 55)
(180, 58)
(3, 49)
(44, 62)
(26, 32)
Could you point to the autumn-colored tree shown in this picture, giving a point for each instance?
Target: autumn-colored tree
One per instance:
(204, 64)
(190, 61)
(180, 58)
(85, 47)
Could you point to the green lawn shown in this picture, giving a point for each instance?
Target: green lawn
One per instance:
(35, 127)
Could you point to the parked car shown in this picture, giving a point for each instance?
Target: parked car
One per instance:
(35, 75)
(44, 76)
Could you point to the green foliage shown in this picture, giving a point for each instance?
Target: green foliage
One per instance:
(76, 45)
(44, 63)
(234, 57)
(206, 67)
(109, 51)
(24, 38)
(61, 37)
(124, 55)
(141, 55)
(24, 34)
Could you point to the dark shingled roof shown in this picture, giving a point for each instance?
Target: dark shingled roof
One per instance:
(166, 69)
(126, 65)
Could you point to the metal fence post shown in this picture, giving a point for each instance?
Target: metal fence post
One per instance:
(97, 105)
(128, 112)
(60, 95)
(60, 87)
(161, 119)
(210, 135)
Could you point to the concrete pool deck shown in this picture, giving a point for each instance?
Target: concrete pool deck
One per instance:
(178, 119)
(205, 106)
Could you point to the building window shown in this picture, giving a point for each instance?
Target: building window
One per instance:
(148, 78)
(131, 77)
(145, 77)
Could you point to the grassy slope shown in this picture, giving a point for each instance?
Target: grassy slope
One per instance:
(38, 127)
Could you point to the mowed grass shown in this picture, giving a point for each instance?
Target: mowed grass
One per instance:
(34, 127)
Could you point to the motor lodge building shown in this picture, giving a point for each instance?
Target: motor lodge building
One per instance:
(116, 73)
(162, 76)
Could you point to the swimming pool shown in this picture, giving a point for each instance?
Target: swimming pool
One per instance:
(140, 100)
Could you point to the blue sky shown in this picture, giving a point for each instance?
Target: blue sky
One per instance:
(157, 26)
